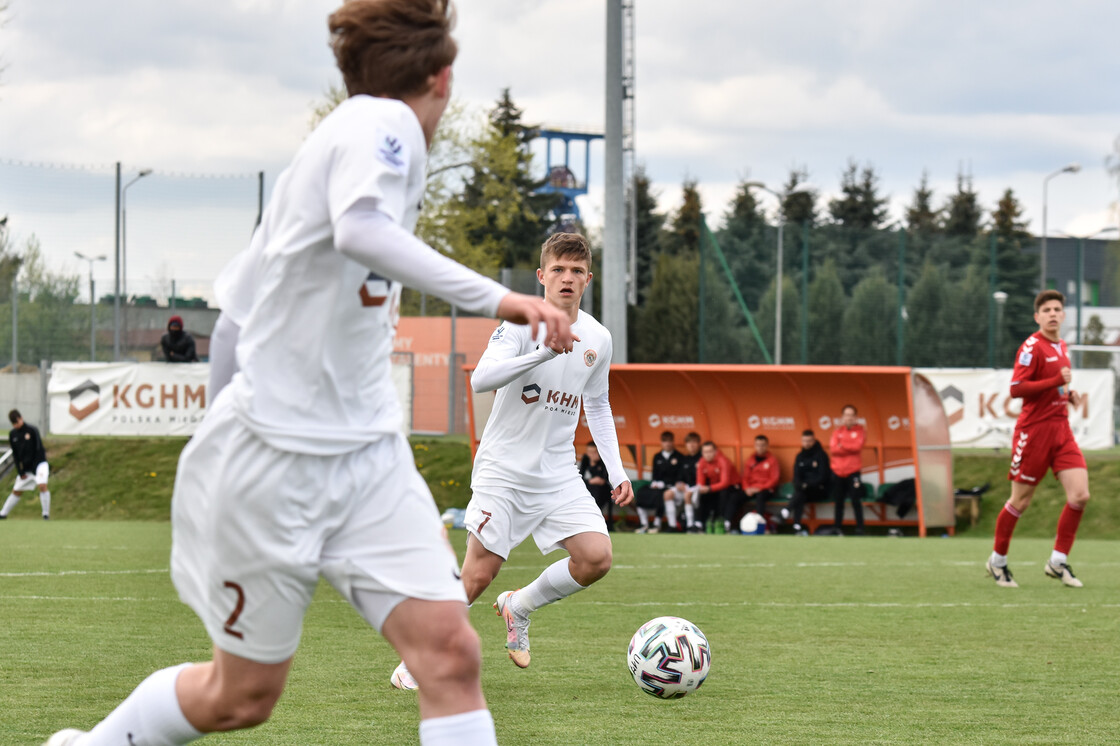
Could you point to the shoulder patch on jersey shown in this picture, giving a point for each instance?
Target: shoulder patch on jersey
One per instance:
(498, 333)
(1025, 358)
(589, 357)
(392, 151)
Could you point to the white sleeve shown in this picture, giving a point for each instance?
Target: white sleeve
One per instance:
(223, 354)
(599, 382)
(503, 362)
(372, 239)
(373, 166)
(600, 420)
(236, 285)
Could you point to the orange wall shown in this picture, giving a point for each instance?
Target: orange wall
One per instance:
(429, 340)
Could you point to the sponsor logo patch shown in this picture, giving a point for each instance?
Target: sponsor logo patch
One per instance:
(1025, 357)
(392, 152)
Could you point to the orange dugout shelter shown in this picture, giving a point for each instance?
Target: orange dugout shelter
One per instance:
(907, 430)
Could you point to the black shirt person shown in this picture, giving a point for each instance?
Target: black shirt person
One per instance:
(177, 344)
(31, 464)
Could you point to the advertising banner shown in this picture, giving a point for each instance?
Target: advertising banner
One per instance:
(148, 398)
(982, 413)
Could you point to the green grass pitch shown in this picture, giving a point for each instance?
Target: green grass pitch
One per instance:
(814, 641)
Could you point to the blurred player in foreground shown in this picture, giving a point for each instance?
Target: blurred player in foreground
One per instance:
(525, 479)
(1043, 440)
(299, 469)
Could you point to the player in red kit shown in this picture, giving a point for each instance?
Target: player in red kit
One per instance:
(1043, 440)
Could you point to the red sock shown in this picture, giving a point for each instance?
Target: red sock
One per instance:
(1005, 526)
(1067, 528)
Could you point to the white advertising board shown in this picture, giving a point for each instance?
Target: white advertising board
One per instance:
(148, 398)
(982, 413)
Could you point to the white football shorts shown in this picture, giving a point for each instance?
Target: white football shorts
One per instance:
(41, 475)
(253, 529)
(501, 517)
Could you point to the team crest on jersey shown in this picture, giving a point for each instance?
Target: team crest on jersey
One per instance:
(590, 357)
(375, 290)
(392, 152)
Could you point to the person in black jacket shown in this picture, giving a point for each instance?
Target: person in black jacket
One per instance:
(657, 496)
(177, 344)
(31, 464)
(594, 473)
(811, 479)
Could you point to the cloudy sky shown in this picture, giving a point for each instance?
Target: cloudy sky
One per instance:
(1006, 91)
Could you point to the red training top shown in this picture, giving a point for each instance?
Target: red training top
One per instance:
(719, 473)
(762, 473)
(846, 449)
(1037, 380)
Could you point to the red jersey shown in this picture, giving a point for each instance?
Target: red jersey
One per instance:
(1037, 380)
(762, 473)
(846, 450)
(719, 473)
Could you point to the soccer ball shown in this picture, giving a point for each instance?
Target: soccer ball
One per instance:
(669, 657)
(752, 523)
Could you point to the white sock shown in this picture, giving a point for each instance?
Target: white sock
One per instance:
(45, 500)
(555, 583)
(151, 716)
(643, 517)
(689, 514)
(999, 560)
(671, 512)
(656, 521)
(474, 728)
(10, 503)
(1057, 558)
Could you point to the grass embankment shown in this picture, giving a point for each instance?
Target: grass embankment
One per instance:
(132, 479)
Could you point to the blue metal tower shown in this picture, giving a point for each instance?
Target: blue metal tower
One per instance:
(561, 179)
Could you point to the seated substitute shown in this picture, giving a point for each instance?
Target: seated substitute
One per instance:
(720, 493)
(761, 475)
(811, 477)
(656, 496)
(683, 493)
(594, 473)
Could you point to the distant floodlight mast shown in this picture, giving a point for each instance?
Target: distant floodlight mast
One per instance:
(92, 303)
(614, 197)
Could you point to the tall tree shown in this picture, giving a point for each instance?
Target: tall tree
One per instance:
(1094, 335)
(650, 224)
(923, 304)
(667, 324)
(963, 321)
(921, 219)
(1007, 217)
(683, 237)
(747, 244)
(869, 336)
(826, 316)
(799, 201)
(859, 208)
(962, 212)
(1016, 273)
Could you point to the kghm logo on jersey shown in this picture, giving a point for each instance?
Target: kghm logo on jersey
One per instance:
(531, 394)
(374, 290)
(589, 357)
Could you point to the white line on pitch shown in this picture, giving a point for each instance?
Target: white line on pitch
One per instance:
(61, 573)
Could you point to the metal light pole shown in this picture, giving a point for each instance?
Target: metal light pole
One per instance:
(778, 295)
(92, 304)
(124, 242)
(1000, 298)
(1070, 169)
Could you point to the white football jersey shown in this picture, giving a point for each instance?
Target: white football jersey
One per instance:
(317, 335)
(528, 442)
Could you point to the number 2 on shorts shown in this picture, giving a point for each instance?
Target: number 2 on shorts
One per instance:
(237, 609)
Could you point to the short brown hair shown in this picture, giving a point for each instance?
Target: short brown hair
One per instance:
(566, 246)
(391, 47)
(1046, 296)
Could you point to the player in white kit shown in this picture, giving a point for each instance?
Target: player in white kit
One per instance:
(299, 469)
(525, 479)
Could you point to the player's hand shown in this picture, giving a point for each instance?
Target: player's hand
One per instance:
(533, 311)
(1075, 399)
(623, 494)
(682, 487)
(1066, 374)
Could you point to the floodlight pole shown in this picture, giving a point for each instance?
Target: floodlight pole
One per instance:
(614, 293)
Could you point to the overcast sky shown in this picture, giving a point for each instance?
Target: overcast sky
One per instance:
(1007, 91)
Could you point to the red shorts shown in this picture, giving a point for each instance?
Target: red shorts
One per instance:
(1041, 446)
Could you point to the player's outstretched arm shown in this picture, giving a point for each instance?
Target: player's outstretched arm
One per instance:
(534, 312)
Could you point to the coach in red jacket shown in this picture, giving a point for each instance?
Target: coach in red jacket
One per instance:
(717, 482)
(846, 450)
(761, 475)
